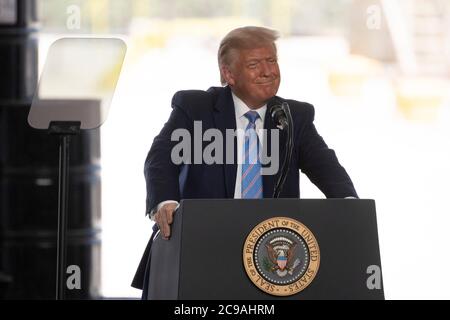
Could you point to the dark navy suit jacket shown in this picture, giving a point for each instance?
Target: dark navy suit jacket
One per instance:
(215, 109)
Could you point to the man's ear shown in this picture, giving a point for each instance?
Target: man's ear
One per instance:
(227, 75)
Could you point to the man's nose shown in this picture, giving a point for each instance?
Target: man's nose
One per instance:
(266, 69)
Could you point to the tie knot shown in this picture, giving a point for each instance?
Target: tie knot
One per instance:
(252, 116)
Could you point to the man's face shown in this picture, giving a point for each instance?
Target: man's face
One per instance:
(254, 75)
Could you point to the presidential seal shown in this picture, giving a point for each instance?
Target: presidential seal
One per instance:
(281, 256)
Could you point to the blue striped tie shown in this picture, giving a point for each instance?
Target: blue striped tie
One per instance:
(251, 167)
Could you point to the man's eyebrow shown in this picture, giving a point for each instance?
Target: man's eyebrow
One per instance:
(259, 59)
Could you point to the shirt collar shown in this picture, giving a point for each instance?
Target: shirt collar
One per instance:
(241, 108)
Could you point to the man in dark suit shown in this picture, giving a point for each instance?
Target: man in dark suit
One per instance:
(249, 70)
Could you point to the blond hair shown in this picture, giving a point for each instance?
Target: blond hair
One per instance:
(243, 38)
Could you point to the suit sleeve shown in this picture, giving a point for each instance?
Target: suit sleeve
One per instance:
(161, 174)
(320, 163)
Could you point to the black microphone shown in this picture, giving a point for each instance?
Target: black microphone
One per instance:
(279, 116)
(282, 117)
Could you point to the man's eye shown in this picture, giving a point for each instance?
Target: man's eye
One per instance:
(272, 60)
(252, 65)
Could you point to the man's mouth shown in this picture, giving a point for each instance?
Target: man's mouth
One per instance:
(266, 82)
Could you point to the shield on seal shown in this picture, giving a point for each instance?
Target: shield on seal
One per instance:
(281, 260)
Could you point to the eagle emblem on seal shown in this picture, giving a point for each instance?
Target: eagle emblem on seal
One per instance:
(280, 256)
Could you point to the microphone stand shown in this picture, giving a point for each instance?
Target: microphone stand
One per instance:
(287, 151)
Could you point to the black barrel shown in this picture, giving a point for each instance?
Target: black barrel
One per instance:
(29, 206)
(23, 13)
(29, 181)
(18, 52)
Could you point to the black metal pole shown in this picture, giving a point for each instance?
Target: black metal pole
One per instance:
(288, 151)
(63, 188)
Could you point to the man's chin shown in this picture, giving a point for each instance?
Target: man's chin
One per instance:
(266, 98)
(267, 94)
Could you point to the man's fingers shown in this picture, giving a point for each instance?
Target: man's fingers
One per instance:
(164, 218)
(170, 210)
(163, 225)
(160, 223)
(169, 215)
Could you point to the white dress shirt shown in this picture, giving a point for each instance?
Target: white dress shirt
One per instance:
(240, 109)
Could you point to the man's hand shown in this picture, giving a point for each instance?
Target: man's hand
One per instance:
(164, 218)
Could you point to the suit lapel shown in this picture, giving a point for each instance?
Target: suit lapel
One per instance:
(225, 118)
(269, 181)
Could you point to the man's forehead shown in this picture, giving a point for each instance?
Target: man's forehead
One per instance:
(258, 53)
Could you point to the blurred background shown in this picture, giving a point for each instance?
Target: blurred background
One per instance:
(377, 72)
